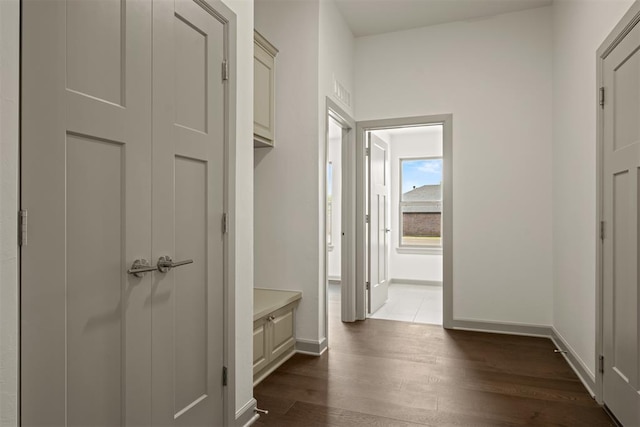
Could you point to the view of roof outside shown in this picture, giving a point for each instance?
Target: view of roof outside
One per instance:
(421, 203)
(419, 172)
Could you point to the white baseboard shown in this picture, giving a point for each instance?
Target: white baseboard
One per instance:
(246, 415)
(573, 360)
(502, 327)
(583, 372)
(313, 348)
(416, 282)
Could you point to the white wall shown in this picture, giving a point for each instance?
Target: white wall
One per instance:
(579, 28)
(243, 204)
(412, 266)
(9, 124)
(286, 198)
(314, 45)
(494, 76)
(334, 155)
(336, 49)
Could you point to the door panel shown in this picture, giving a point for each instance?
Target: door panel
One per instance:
(95, 72)
(95, 175)
(378, 226)
(86, 172)
(620, 248)
(188, 171)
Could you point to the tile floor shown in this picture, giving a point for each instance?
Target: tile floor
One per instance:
(407, 303)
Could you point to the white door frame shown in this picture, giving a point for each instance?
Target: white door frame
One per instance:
(626, 24)
(348, 242)
(359, 169)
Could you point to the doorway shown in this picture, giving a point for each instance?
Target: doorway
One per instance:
(406, 246)
(410, 223)
(339, 199)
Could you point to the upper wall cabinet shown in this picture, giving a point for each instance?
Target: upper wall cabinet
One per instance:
(264, 54)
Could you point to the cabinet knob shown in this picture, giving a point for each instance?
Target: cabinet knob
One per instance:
(271, 318)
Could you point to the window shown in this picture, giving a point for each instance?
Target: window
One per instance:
(421, 202)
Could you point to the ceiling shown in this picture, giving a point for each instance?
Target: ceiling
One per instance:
(369, 17)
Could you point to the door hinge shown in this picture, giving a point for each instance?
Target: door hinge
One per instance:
(368, 285)
(225, 224)
(225, 70)
(602, 97)
(22, 228)
(366, 151)
(601, 230)
(601, 364)
(225, 376)
(366, 218)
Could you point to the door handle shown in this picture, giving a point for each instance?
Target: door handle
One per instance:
(388, 230)
(141, 266)
(165, 263)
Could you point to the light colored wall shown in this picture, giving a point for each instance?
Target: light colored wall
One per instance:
(9, 125)
(494, 76)
(404, 265)
(334, 155)
(286, 199)
(243, 245)
(314, 45)
(336, 49)
(579, 28)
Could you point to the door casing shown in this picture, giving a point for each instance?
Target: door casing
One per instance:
(347, 261)
(358, 168)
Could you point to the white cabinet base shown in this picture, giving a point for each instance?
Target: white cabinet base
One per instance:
(273, 330)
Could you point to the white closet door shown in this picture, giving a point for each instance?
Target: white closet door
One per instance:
(86, 175)
(621, 299)
(188, 183)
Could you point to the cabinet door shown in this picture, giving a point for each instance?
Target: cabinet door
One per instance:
(260, 352)
(281, 332)
(263, 98)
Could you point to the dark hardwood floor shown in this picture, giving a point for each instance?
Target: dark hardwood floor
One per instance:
(385, 373)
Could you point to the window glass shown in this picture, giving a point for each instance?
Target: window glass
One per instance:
(421, 202)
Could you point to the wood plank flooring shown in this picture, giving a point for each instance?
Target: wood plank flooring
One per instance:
(386, 373)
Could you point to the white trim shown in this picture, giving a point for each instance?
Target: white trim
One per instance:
(252, 420)
(311, 347)
(348, 217)
(246, 415)
(10, 196)
(419, 250)
(507, 328)
(415, 282)
(587, 377)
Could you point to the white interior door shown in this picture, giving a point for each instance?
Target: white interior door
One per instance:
(188, 175)
(378, 222)
(621, 299)
(122, 159)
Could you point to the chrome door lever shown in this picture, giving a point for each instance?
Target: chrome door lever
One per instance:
(165, 263)
(141, 266)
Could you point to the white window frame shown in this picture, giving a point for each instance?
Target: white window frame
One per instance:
(415, 249)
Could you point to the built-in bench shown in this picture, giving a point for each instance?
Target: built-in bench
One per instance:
(273, 329)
